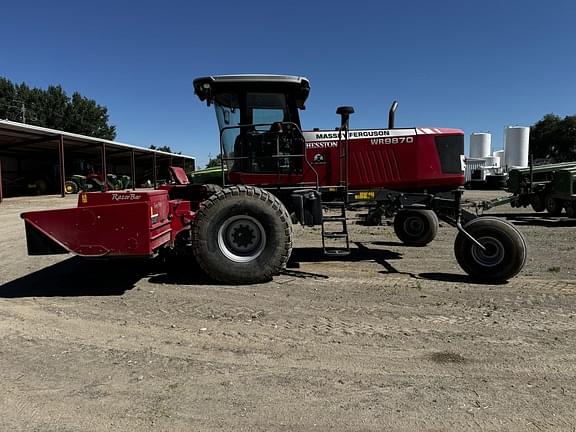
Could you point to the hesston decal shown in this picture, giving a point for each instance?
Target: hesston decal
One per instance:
(321, 144)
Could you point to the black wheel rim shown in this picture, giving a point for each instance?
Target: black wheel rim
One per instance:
(493, 254)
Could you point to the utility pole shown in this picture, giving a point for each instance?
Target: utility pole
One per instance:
(21, 107)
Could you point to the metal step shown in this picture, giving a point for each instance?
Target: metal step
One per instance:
(336, 235)
(341, 236)
(334, 218)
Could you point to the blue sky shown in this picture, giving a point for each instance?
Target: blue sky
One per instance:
(474, 65)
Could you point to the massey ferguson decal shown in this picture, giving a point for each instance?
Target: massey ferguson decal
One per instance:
(329, 139)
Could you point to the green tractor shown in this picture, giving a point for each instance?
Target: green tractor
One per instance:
(94, 182)
(212, 175)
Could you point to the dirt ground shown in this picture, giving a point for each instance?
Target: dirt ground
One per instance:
(389, 338)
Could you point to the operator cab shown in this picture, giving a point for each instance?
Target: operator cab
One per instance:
(260, 135)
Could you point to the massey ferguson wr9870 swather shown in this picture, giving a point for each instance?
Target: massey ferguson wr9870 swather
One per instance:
(273, 173)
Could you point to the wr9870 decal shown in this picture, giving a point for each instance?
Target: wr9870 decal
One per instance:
(392, 140)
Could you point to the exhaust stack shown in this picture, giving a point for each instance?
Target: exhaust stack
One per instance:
(392, 114)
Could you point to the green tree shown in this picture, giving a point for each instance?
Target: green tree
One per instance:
(52, 108)
(9, 104)
(163, 148)
(554, 138)
(213, 162)
(85, 117)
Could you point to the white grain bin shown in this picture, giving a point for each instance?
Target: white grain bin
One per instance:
(480, 145)
(516, 139)
(500, 154)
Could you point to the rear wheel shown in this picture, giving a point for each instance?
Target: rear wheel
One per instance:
(504, 254)
(70, 187)
(537, 202)
(416, 227)
(242, 235)
(374, 217)
(553, 205)
(571, 209)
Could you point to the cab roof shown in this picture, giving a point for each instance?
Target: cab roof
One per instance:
(206, 87)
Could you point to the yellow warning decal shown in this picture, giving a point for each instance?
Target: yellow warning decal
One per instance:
(84, 198)
(153, 216)
(364, 196)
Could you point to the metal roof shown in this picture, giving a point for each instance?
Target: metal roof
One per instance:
(14, 137)
(204, 87)
(290, 79)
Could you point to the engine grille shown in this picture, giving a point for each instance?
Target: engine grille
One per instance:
(450, 148)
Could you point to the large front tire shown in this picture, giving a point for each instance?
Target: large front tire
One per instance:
(211, 188)
(416, 227)
(242, 235)
(505, 252)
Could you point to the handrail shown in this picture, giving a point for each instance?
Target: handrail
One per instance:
(278, 155)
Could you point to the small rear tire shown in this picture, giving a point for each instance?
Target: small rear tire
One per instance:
(416, 227)
(537, 202)
(374, 217)
(70, 187)
(553, 205)
(571, 209)
(505, 253)
(242, 235)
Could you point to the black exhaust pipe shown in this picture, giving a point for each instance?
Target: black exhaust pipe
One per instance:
(392, 114)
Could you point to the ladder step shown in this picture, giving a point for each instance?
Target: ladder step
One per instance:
(333, 249)
(336, 235)
(333, 218)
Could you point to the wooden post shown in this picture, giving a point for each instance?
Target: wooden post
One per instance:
(154, 175)
(62, 169)
(104, 171)
(133, 163)
(1, 181)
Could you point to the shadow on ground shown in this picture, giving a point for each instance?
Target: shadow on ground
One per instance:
(536, 219)
(360, 253)
(81, 277)
(78, 277)
(456, 278)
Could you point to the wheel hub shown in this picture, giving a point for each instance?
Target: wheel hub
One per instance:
(493, 252)
(414, 226)
(241, 238)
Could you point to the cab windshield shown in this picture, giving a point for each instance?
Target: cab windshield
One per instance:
(228, 116)
(245, 121)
